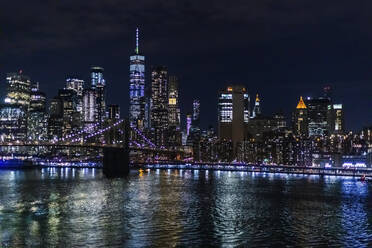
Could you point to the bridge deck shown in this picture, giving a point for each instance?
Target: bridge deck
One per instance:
(84, 145)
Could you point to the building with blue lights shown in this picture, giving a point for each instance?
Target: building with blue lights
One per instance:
(13, 122)
(89, 107)
(137, 99)
(98, 85)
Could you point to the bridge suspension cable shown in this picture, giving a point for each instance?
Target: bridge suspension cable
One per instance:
(76, 137)
(97, 132)
(143, 136)
(81, 132)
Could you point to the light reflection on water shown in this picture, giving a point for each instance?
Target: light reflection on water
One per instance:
(80, 207)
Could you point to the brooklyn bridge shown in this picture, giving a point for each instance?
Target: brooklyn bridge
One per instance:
(112, 146)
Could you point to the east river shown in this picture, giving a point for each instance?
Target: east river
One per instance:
(53, 207)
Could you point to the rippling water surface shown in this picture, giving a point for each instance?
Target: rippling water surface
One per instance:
(161, 208)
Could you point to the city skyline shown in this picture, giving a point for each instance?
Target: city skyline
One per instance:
(280, 66)
(185, 123)
(88, 83)
(87, 86)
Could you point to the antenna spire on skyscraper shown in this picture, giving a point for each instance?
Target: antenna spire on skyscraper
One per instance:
(137, 41)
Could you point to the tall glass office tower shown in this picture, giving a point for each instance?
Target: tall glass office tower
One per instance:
(159, 107)
(173, 102)
(77, 85)
(233, 113)
(137, 100)
(98, 85)
(18, 89)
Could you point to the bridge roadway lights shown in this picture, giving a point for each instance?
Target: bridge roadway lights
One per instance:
(115, 161)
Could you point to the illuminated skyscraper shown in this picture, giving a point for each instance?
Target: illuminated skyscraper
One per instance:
(70, 116)
(97, 76)
(159, 108)
(77, 85)
(196, 113)
(18, 89)
(89, 107)
(256, 109)
(195, 133)
(37, 99)
(336, 124)
(174, 111)
(13, 122)
(13, 114)
(174, 132)
(98, 85)
(233, 113)
(137, 99)
(55, 121)
(317, 110)
(300, 119)
(188, 123)
(37, 121)
(64, 117)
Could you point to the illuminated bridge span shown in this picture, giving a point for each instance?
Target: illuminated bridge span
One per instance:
(85, 135)
(82, 137)
(133, 145)
(116, 142)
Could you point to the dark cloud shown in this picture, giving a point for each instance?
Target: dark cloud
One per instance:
(281, 49)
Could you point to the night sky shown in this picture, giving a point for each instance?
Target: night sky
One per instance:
(280, 49)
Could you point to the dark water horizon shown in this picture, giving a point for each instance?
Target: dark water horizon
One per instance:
(56, 207)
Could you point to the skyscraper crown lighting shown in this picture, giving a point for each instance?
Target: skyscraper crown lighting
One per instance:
(301, 104)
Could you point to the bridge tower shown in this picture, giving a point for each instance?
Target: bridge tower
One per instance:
(116, 159)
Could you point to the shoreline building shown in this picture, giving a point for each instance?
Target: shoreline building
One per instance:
(174, 110)
(256, 109)
(174, 131)
(196, 113)
(99, 85)
(64, 118)
(18, 89)
(317, 111)
(55, 120)
(188, 123)
(300, 119)
(318, 117)
(137, 100)
(336, 120)
(14, 111)
(89, 107)
(233, 114)
(37, 121)
(70, 116)
(159, 106)
(13, 123)
(78, 86)
(193, 139)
